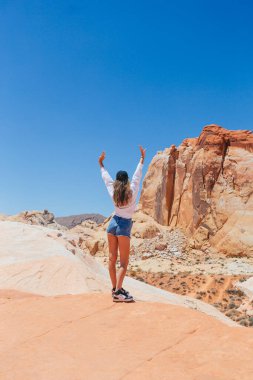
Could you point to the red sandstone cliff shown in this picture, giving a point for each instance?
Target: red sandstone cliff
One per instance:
(205, 186)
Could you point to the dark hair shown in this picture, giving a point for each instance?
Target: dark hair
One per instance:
(122, 176)
(122, 191)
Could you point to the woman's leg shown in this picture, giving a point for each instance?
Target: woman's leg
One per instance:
(124, 249)
(113, 254)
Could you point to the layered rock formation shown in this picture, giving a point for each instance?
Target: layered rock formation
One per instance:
(205, 186)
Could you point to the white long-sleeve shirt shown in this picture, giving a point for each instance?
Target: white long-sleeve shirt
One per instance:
(128, 210)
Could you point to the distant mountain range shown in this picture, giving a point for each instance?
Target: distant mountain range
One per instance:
(73, 220)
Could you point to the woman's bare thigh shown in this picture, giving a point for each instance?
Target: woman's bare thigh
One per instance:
(113, 246)
(124, 248)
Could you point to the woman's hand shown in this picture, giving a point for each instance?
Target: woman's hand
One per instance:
(101, 159)
(143, 153)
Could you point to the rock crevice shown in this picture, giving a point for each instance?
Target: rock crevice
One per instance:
(171, 180)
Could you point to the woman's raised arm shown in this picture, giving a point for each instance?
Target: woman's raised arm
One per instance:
(106, 176)
(143, 154)
(135, 183)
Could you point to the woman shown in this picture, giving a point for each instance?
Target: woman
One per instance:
(124, 194)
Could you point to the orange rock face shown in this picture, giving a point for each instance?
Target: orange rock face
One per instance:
(205, 186)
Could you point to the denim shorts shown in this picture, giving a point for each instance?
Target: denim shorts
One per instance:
(119, 226)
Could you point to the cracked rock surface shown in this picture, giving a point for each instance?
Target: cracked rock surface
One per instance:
(88, 337)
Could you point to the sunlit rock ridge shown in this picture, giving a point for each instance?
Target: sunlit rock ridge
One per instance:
(205, 186)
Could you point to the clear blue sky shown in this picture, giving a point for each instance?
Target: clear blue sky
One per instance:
(79, 77)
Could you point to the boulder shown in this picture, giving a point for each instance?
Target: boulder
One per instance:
(92, 245)
(144, 226)
(161, 246)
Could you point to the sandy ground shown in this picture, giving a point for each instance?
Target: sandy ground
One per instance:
(210, 278)
(77, 337)
(199, 264)
(217, 290)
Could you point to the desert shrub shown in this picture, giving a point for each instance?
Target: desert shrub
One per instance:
(232, 305)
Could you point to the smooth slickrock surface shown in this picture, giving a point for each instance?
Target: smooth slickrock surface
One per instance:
(89, 337)
(205, 186)
(38, 260)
